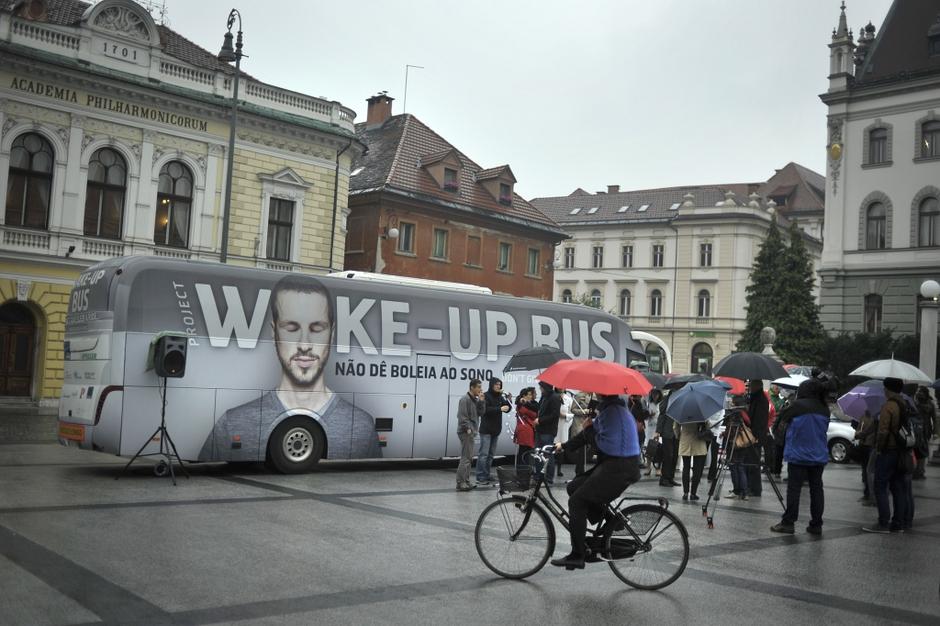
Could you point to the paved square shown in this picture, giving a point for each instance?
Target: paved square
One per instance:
(392, 542)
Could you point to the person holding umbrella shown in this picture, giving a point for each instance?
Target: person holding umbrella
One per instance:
(614, 435)
(690, 408)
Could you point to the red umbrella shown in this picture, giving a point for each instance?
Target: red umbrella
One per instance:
(737, 385)
(603, 377)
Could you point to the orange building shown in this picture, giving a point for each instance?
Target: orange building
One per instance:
(419, 207)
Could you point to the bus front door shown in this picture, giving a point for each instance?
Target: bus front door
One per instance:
(431, 409)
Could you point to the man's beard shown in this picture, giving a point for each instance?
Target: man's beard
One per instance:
(316, 368)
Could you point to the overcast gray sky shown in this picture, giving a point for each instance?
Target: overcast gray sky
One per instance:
(640, 93)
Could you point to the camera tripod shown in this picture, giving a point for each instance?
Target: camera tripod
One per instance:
(167, 448)
(726, 457)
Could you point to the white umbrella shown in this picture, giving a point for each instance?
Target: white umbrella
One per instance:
(890, 368)
(790, 382)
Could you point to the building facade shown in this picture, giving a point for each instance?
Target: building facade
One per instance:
(882, 227)
(419, 207)
(675, 262)
(114, 141)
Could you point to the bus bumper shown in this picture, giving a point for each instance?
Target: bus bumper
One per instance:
(72, 434)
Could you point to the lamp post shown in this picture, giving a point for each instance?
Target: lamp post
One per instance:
(930, 290)
(227, 54)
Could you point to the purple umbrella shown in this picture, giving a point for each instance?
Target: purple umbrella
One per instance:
(869, 396)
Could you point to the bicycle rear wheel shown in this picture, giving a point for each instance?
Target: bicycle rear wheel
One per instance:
(514, 540)
(660, 555)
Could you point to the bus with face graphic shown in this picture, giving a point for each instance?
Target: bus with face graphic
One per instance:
(292, 368)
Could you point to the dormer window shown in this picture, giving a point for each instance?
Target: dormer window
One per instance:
(505, 194)
(450, 179)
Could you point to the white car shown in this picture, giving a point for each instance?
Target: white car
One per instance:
(841, 439)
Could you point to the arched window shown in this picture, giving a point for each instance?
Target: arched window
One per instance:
(928, 223)
(872, 313)
(30, 186)
(930, 139)
(656, 303)
(875, 226)
(704, 304)
(702, 355)
(174, 205)
(566, 295)
(596, 298)
(104, 197)
(625, 302)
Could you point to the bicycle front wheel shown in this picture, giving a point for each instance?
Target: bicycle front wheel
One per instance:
(651, 550)
(513, 539)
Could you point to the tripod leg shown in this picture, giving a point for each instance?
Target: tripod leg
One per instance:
(775, 487)
(176, 455)
(137, 454)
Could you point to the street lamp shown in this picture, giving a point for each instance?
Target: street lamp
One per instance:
(930, 290)
(227, 55)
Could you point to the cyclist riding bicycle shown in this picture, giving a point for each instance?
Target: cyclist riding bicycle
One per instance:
(613, 433)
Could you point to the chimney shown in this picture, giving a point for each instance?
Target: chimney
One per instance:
(613, 188)
(380, 109)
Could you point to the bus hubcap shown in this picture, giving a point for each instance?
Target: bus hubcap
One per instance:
(298, 444)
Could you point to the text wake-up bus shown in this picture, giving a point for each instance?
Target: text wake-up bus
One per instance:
(291, 368)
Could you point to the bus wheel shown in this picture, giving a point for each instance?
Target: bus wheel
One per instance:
(295, 445)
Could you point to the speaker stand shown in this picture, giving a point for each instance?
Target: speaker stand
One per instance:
(167, 448)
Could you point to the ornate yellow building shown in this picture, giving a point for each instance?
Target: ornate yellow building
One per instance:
(113, 141)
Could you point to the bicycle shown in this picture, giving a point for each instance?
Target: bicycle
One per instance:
(645, 545)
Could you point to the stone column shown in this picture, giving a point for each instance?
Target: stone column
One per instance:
(930, 290)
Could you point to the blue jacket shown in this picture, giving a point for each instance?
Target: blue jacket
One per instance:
(615, 430)
(806, 434)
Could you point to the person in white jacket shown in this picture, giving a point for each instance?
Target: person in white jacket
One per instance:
(564, 424)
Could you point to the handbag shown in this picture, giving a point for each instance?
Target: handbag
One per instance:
(905, 462)
(745, 438)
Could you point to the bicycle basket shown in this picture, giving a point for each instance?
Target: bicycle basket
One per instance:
(514, 478)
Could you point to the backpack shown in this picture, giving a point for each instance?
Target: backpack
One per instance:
(906, 436)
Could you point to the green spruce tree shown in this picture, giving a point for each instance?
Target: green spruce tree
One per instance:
(763, 297)
(800, 334)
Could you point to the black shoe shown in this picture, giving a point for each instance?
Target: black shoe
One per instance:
(814, 530)
(685, 497)
(466, 487)
(570, 562)
(665, 483)
(876, 528)
(559, 474)
(675, 484)
(693, 497)
(782, 527)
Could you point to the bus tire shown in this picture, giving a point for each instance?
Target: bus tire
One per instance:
(296, 445)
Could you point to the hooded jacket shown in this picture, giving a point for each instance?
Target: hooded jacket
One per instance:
(549, 412)
(492, 420)
(807, 443)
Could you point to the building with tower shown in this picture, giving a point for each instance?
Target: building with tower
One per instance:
(882, 224)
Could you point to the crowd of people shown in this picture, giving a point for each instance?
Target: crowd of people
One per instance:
(759, 432)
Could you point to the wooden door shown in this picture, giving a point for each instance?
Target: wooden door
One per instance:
(17, 344)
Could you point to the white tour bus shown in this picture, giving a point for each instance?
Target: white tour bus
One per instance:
(291, 368)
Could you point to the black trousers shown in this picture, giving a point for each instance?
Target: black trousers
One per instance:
(713, 446)
(591, 491)
(777, 465)
(697, 464)
(796, 475)
(864, 454)
(764, 443)
(670, 456)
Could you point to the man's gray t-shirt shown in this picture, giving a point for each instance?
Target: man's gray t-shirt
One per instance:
(239, 433)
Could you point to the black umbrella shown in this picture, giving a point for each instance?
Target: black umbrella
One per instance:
(681, 381)
(749, 366)
(656, 379)
(537, 358)
(935, 384)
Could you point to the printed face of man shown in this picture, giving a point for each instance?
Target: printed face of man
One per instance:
(302, 335)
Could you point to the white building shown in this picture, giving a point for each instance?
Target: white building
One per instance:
(882, 227)
(675, 262)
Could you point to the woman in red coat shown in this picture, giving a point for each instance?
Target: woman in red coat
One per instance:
(527, 410)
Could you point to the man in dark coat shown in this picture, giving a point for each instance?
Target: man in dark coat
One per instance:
(758, 408)
(491, 424)
(667, 476)
(546, 426)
